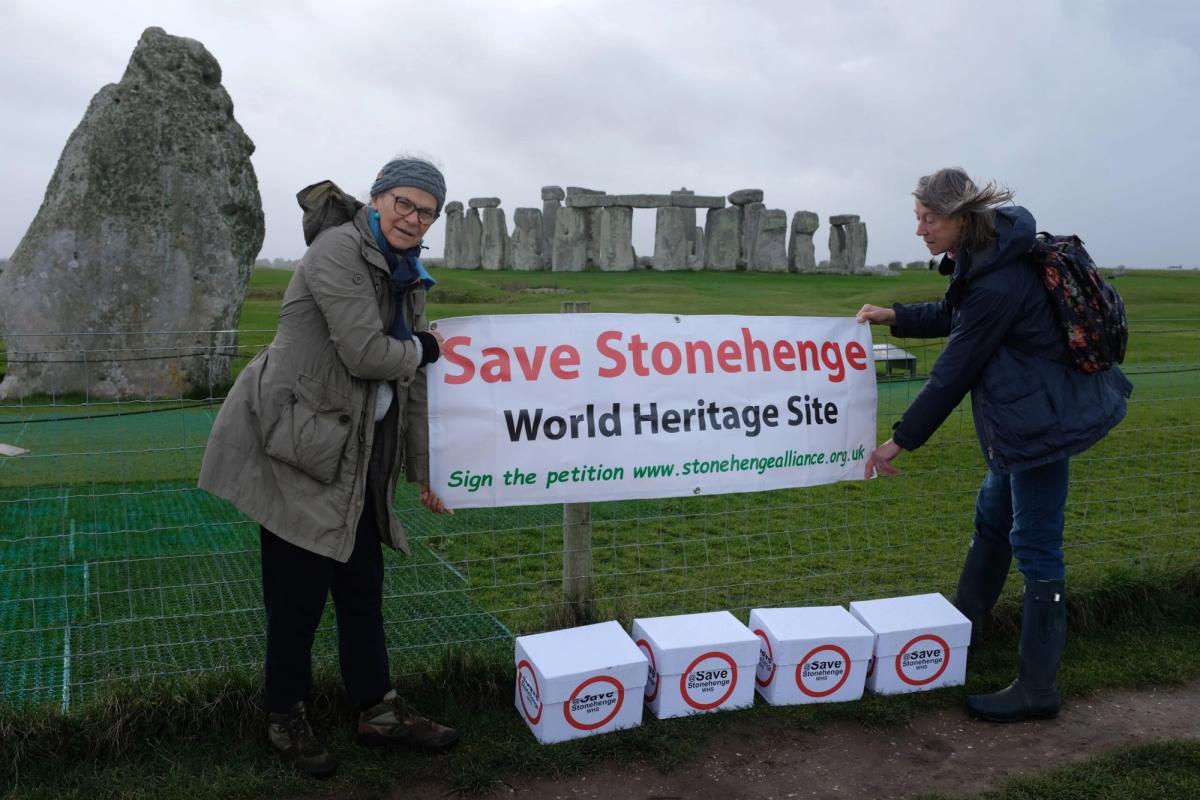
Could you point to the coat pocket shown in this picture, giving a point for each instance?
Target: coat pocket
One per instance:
(312, 430)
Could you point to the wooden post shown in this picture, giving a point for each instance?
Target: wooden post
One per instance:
(577, 539)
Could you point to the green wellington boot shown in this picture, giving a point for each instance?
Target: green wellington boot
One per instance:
(1034, 694)
(984, 573)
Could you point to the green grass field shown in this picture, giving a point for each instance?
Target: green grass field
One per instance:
(116, 573)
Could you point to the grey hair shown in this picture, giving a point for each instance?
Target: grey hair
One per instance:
(951, 193)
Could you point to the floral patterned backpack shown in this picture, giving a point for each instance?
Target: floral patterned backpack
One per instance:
(1090, 312)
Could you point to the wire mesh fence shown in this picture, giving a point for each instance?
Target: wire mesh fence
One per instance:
(114, 567)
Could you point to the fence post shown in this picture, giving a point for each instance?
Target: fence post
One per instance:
(577, 538)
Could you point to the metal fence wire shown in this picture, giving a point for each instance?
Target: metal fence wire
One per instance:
(115, 568)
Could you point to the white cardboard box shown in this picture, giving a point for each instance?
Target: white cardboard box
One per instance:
(698, 663)
(579, 681)
(920, 643)
(810, 655)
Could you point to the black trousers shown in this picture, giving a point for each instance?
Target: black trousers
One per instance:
(295, 585)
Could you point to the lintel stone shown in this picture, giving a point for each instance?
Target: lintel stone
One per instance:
(682, 200)
(589, 201)
(745, 196)
(484, 202)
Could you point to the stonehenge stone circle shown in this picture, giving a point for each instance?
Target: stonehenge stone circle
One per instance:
(579, 228)
(144, 241)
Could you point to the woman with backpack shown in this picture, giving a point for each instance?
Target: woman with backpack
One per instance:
(311, 441)
(1032, 412)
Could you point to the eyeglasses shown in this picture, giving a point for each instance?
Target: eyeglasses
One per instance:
(406, 207)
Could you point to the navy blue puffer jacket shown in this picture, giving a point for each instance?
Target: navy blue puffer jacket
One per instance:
(1003, 345)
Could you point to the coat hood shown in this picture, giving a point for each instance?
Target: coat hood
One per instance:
(325, 206)
(1015, 234)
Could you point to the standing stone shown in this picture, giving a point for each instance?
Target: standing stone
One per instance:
(678, 199)
(837, 248)
(594, 219)
(722, 243)
(452, 253)
(671, 246)
(144, 241)
(616, 239)
(525, 247)
(696, 259)
(847, 243)
(591, 223)
(801, 252)
(856, 246)
(569, 249)
(472, 246)
(552, 197)
(749, 231)
(770, 240)
(494, 245)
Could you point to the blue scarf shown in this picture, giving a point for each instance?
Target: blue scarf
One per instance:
(406, 269)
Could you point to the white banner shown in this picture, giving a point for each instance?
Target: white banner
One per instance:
(564, 408)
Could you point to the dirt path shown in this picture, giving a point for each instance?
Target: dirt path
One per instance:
(944, 751)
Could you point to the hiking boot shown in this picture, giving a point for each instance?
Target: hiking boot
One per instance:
(392, 722)
(294, 740)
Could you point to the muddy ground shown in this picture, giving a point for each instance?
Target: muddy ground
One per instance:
(943, 751)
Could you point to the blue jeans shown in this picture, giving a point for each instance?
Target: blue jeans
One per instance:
(1026, 511)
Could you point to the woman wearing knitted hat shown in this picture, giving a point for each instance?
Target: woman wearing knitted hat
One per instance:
(311, 440)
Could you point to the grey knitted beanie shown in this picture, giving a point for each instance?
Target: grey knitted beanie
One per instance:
(415, 172)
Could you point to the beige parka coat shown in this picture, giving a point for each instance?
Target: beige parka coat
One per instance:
(294, 439)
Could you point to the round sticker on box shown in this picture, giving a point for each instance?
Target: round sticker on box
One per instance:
(708, 681)
(922, 660)
(528, 693)
(766, 660)
(823, 671)
(594, 702)
(651, 689)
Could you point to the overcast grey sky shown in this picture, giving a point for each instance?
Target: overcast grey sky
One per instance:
(1089, 110)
